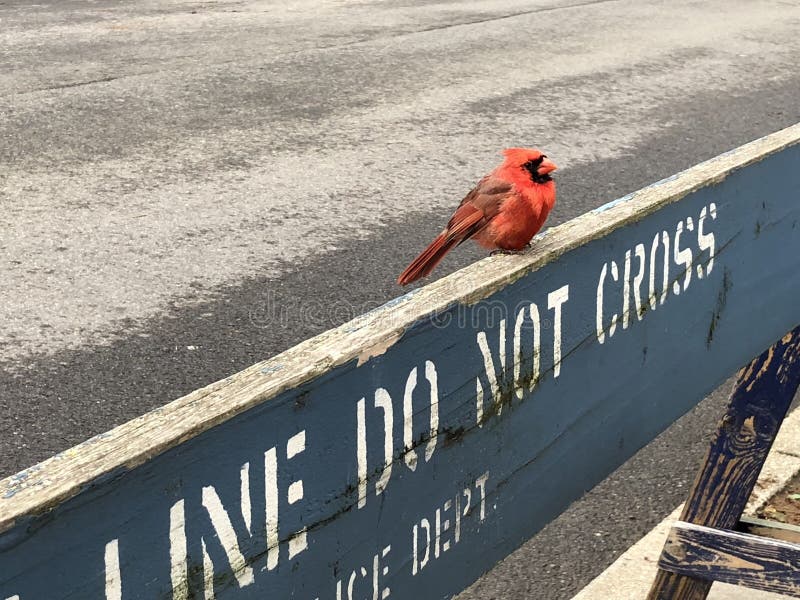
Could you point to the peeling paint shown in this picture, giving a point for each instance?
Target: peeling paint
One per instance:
(379, 348)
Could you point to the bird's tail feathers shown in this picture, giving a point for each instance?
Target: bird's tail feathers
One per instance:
(428, 258)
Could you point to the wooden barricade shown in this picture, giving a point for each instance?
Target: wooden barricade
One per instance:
(710, 542)
(403, 454)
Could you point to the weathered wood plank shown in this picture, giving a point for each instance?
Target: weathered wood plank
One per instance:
(140, 439)
(732, 557)
(761, 396)
(784, 532)
(408, 450)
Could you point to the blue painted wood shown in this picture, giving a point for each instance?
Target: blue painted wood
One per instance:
(758, 405)
(759, 402)
(711, 554)
(446, 507)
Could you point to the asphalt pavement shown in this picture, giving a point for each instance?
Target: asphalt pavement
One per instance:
(187, 188)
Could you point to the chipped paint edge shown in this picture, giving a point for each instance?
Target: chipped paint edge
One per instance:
(43, 486)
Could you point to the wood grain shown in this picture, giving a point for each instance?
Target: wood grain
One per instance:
(731, 557)
(759, 402)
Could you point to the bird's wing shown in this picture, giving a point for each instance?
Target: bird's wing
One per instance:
(478, 207)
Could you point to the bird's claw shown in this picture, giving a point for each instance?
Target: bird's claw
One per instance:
(501, 251)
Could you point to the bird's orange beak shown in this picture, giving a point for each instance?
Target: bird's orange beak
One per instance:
(546, 167)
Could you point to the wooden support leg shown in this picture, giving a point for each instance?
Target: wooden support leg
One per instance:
(758, 404)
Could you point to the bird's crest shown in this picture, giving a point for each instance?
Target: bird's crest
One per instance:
(519, 156)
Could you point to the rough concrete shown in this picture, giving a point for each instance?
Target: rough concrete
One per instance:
(150, 149)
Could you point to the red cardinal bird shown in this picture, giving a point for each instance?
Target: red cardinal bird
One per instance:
(503, 212)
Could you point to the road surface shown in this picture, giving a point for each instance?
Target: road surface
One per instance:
(190, 187)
